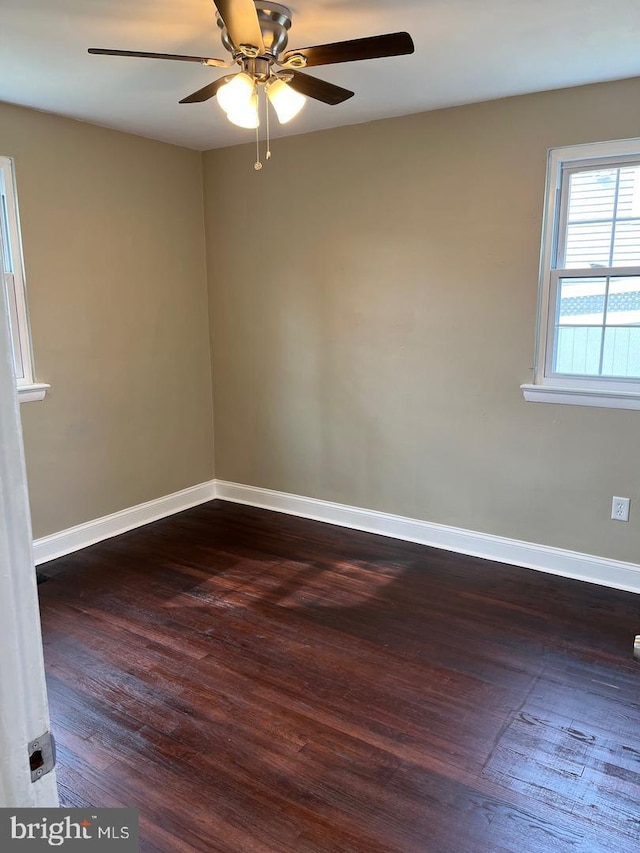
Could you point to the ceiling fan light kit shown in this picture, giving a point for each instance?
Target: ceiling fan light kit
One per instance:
(286, 102)
(239, 100)
(256, 34)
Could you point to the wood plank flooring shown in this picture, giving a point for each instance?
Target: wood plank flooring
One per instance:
(254, 682)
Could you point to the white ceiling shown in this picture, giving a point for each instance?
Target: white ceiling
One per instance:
(466, 51)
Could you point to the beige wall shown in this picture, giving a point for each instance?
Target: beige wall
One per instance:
(373, 301)
(372, 315)
(114, 251)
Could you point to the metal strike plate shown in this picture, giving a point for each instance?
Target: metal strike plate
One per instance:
(636, 648)
(42, 756)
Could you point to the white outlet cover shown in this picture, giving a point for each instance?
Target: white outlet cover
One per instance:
(620, 509)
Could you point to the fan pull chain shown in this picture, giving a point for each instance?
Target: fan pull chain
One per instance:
(258, 165)
(266, 109)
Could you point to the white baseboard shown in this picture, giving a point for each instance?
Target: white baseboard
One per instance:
(75, 538)
(556, 561)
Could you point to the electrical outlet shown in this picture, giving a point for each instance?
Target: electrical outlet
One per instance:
(620, 509)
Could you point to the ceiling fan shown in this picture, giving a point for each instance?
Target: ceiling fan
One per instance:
(256, 32)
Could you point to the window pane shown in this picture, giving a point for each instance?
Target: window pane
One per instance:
(592, 195)
(629, 192)
(581, 301)
(13, 279)
(623, 303)
(598, 327)
(4, 237)
(588, 244)
(578, 350)
(9, 283)
(603, 218)
(621, 354)
(626, 245)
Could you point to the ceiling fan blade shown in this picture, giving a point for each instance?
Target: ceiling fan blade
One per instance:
(205, 93)
(203, 60)
(374, 47)
(328, 93)
(241, 20)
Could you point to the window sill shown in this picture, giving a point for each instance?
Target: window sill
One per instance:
(581, 397)
(32, 393)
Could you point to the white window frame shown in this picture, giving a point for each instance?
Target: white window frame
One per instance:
(15, 284)
(548, 387)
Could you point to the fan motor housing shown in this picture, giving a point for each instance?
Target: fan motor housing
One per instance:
(275, 22)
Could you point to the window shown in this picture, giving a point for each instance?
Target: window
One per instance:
(588, 350)
(14, 284)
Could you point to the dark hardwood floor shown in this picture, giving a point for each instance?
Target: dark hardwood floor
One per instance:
(254, 682)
